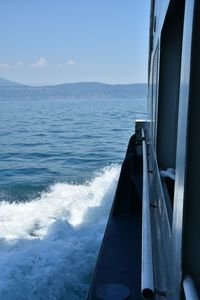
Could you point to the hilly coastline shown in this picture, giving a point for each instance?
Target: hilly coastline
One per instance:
(89, 90)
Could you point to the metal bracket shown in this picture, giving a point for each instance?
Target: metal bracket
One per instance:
(160, 292)
(153, 205)
(148, 142)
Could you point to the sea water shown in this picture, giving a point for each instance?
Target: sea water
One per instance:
(59, 165)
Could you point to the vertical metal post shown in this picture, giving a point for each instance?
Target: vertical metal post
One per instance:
(147, 281)
(190, 289)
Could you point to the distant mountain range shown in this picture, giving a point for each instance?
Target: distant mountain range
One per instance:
(8, 83)
(86, 90)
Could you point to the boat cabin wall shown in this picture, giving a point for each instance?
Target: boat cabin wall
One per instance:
(165, 81)
(174, 110)
(191, 208)
(169, 84)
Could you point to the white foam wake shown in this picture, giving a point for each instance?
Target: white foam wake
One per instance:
(48, 247)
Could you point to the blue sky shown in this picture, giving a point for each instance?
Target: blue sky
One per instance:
(57, 41)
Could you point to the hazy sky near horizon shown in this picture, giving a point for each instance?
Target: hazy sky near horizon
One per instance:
(58, 41)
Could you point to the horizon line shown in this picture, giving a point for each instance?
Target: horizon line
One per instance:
(62, 83)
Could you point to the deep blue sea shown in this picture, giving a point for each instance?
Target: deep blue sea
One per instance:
(59, 165)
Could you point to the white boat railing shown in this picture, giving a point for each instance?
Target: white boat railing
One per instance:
(147, 279)
(190, 289)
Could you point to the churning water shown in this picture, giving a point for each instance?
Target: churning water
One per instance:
(59, 165)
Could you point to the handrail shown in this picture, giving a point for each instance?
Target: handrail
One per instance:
(190, 289)
(147, 281)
